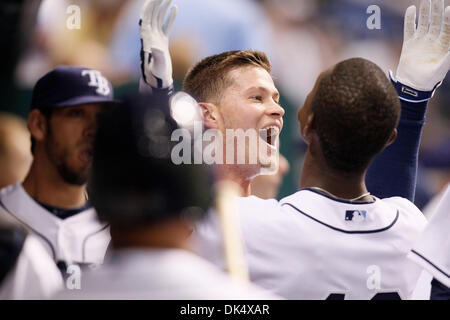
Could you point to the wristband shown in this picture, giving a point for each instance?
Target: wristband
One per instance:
(410, 94)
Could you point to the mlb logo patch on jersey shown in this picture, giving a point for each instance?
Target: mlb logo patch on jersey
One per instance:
(355, 215)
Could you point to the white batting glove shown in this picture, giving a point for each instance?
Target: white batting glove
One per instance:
(156, 66)
(425, 57)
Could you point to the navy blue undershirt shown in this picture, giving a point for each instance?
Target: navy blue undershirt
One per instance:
(65, 213)
(439, 291)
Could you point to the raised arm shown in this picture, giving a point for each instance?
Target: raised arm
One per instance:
(424, 62)
(156, 66)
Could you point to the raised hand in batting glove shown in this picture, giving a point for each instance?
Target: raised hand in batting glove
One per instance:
(156, 66)
(425, 57)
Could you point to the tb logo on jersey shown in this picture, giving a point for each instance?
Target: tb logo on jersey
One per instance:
(355, 215)
(96, 79)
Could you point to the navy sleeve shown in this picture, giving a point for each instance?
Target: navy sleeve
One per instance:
(394, 171)
(439, 291)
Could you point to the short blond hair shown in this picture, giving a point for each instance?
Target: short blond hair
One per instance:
(207, 80)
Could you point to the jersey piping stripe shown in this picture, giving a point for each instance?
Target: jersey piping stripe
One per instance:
(431, 263)
(345, 231)
(37, 233)
(336, 199)
(87, 237)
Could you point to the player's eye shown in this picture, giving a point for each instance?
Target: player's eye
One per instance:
(76, 113)
(257, 98)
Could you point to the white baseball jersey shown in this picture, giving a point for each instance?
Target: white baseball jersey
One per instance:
(310, 246)
(160, 274)
(79, 239)
(34, 276)
(432, 250)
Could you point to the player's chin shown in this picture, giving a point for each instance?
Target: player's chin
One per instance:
(82, 175)
(268, 162)
(81, 164)
(75, 174)
(81, 168)
(269, 169)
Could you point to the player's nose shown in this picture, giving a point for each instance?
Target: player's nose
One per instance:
(91, 127)
(275, 110)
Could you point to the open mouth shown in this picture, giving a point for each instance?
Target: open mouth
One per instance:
(86, 155)
(269, 134)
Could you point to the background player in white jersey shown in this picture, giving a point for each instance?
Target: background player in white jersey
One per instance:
(432, 250)
(132, 191)
(51, 202)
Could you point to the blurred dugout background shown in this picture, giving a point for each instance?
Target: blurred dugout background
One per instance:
(301, 37)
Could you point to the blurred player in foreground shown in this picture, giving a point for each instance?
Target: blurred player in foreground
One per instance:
(133, 190)
(51, 202)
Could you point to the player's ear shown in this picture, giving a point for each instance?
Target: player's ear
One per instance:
(307, 128)
(392, 138)
(37, 124)
(210, 114)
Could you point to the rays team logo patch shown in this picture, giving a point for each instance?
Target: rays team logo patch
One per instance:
(96, 79)
(355, 215)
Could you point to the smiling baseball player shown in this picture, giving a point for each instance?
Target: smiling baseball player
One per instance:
(248, 100)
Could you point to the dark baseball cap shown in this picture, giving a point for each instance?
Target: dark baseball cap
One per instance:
(67, 86)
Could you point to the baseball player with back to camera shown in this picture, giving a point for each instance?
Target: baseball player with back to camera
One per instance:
(334, 201)
(51, 203)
